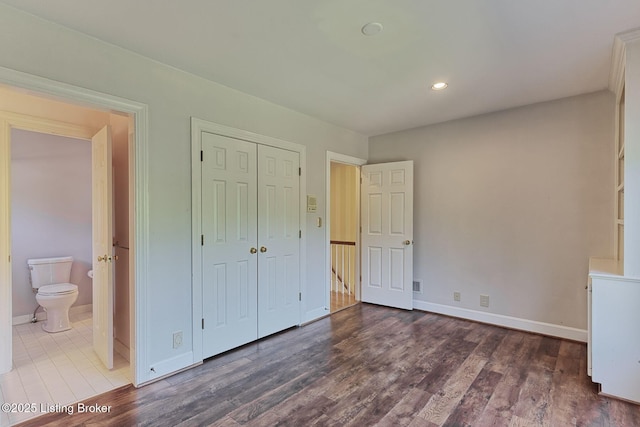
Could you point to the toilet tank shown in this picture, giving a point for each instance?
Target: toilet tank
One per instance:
(47, 271)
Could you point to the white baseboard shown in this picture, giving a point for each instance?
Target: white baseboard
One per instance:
(121, 349)
(42, 315)
(312, 315)
(550, 329)
(170, 366)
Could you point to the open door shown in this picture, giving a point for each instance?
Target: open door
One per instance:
(387, 234)
(101, 194)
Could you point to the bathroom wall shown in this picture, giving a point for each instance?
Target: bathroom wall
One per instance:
(50, 210)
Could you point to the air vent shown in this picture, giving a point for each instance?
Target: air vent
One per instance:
(417, 286)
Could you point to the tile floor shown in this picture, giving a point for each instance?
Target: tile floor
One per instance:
(56, 368)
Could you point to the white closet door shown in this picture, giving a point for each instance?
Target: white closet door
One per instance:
(278, 239)
(387, 234)
(229, 212)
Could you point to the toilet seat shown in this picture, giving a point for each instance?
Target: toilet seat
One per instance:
(57, 289)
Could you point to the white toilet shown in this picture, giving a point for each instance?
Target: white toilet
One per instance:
(50, 278)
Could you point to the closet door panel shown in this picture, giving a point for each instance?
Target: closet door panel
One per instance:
(229, 227)
(278, 238)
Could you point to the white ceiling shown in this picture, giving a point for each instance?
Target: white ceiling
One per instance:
(310, 56)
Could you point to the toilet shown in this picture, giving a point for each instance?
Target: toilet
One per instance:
(50, 279)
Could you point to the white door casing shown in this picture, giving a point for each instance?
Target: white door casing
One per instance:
(387, 234)
(102, 228)
(229, 245)
(278, 239)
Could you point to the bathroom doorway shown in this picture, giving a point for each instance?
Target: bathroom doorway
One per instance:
(75, 345)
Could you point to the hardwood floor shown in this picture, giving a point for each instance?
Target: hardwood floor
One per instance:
(369, 365)
(341, 300)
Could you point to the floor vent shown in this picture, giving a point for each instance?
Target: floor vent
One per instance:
(417, 286)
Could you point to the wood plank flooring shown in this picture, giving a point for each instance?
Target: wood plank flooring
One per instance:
(341, 300)
(369, 365)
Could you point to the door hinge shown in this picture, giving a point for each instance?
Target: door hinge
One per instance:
(299, 171)
(203, 323)
(201, 155)
(202, 240)
(299, 296)
(9, 258)
(299, 234)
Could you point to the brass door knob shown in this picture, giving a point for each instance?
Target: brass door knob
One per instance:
(263, 249)
(253, 250)
(102, 258)
(407, 242)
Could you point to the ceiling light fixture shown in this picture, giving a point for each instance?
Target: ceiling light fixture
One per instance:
(372, 29)
(439, 86)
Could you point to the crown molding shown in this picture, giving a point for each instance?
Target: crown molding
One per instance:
(618, 56)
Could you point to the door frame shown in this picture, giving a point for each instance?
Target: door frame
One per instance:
(197, 127)
(351, 161)
(138, 217)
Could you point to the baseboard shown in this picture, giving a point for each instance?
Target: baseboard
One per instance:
(42, 315)
(170, 366)
(550, 329)
(121, 349)
(316, 314)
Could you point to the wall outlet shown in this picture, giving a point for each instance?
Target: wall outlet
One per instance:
(177, 339)
(484, 300)
(456, 296)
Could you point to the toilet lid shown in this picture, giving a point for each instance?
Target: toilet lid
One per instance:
(58, 289)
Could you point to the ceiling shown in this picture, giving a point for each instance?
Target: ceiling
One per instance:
(312, 57)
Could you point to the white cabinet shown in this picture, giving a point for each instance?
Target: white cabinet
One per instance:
(614, 344)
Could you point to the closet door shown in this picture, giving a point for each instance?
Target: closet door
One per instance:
(229, 221)
(278, 239)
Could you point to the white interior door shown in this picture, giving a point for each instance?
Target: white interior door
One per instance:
(387, 234)
(229, 253)
(102, 223)
(279, 240)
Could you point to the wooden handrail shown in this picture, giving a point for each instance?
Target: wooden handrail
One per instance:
(340, 242)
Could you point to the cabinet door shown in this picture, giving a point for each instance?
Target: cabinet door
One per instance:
(616, 349)
(229, 221)
(278, 239)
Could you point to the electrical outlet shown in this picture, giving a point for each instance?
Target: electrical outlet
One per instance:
(484, 300)
(177, 339)
(456, 296)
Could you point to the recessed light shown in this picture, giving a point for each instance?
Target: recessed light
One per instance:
(439, 86)
(372, 29)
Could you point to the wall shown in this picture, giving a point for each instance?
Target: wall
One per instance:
(632, 160)
(37, 47)
(511, 205)
(51, 210)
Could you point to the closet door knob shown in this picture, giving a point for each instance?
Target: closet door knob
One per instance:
(263, 249)
(407, 242)
(253, 250)
(102, 258)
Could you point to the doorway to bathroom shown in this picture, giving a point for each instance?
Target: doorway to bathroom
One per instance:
(51, 216)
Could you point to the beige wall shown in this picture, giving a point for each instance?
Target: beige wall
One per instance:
(512, 204)
(344, 203)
